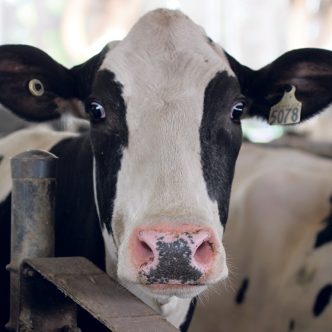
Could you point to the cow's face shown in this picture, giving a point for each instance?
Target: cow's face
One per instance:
(165, 106)
(165, 147)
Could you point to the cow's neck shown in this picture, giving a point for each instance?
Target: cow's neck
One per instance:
(77, 226)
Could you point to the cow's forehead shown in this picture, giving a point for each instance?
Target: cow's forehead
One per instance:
(165, 45)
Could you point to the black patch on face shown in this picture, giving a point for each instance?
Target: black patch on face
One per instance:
(241, 294)
(109, 138)
(325, 235)
(174, 264)
(291, 326)
(220, 139)
(185, 325)
(1, 158)
(322, 300)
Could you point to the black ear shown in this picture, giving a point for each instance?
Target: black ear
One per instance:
(305, 72)
(37, 88)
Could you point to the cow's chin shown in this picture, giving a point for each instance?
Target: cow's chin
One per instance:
(162, 291)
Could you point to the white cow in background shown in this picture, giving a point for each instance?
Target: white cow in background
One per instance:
(279, 240)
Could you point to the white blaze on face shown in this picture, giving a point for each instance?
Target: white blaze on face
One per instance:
(164, 65)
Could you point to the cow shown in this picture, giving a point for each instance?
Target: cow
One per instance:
(151, 180)
(279, 242)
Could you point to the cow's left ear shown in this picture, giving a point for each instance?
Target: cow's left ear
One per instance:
(291, 89)
(37, 88)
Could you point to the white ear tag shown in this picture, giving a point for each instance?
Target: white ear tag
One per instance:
(287, 111)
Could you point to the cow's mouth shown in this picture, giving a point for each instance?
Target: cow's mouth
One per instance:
(179, 290)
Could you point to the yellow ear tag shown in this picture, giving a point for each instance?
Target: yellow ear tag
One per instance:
(287, 111)
(36, 87)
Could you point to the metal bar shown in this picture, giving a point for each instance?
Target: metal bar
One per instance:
(76, 278)
(32, 216)
(42, 307)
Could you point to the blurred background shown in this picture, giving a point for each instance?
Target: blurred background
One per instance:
(255, 32)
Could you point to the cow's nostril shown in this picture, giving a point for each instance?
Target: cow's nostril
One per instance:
(204, 253)
(146, 248)
(145, 252)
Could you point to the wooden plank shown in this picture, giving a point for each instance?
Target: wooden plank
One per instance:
(98, 294)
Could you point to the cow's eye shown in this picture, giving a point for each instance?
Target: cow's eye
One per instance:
(95, 111)
(237, 111)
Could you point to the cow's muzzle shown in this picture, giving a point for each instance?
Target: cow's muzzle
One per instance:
(173, 257)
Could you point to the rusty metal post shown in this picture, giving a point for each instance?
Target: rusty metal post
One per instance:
(32, 216)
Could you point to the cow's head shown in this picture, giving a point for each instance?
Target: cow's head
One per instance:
(165, 106)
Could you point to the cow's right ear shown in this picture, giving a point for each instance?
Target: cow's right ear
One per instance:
(37, 88)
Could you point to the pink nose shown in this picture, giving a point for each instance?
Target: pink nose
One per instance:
(178, 256)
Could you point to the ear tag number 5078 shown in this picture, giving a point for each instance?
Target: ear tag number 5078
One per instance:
(287, 111)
